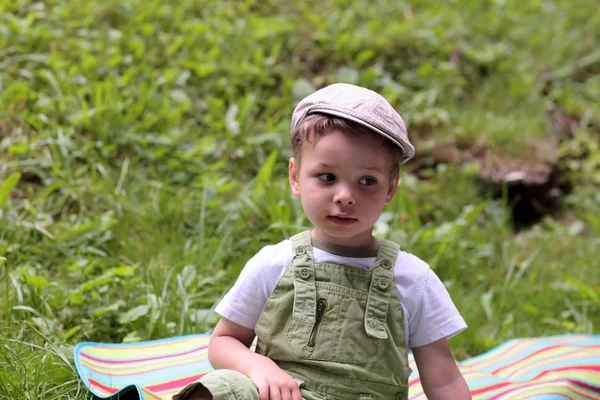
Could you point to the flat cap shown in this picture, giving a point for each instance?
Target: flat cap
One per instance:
(359, 105)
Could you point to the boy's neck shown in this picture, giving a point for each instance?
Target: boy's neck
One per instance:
(353, 252)
(366, 241)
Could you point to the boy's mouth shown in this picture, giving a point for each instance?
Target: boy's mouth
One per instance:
(339, 220)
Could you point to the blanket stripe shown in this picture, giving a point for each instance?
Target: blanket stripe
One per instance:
(555, 367)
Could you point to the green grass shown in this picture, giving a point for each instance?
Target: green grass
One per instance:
(151, 143)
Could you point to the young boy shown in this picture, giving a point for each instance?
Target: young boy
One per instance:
(335, 309)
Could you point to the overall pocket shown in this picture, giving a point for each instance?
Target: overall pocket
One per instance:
(338, 332)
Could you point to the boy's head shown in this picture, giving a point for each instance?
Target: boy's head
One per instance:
(350, 143)
(314, 126)
(363, 110)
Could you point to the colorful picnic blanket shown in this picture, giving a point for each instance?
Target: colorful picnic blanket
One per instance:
(556, 367)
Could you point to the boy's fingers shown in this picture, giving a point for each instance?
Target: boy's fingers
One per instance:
(286, 394)
(296, 394)
(274, 393)
(263, 391)
(289, 394)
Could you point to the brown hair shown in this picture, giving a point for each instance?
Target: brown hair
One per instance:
(316, 125)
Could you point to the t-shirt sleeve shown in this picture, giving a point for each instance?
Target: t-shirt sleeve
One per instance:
(246, 300)
(436, 316)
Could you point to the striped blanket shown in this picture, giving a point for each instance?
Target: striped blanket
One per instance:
(556, 367)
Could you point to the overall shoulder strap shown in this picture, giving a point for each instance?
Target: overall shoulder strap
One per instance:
(305, 290)
(301, 239)
(382, 281)
(388, 251)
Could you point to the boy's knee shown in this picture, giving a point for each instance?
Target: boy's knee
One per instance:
(194, 391)
(227, 384)
(220, 385)
(199, 393)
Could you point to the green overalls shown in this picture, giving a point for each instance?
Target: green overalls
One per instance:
(337, 329)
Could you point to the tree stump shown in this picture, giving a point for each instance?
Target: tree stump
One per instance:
(530, 182)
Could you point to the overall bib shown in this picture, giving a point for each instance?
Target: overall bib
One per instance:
(336, 329)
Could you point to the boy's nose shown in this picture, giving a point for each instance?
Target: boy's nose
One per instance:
(343, 195)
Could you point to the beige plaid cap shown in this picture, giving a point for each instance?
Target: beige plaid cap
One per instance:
(360, 105)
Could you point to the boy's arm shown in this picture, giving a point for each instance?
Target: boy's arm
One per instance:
(440, 376)
(229, 349)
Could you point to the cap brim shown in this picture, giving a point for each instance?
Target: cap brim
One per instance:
(408, 151)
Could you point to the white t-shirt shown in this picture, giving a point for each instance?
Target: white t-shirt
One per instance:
(429, 313)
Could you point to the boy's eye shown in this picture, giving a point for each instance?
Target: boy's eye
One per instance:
(367, 181)
(326, 177)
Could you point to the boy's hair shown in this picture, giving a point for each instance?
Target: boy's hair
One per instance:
(315, 125)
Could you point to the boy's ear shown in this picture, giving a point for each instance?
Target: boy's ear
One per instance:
(293, 170)
(392, 189)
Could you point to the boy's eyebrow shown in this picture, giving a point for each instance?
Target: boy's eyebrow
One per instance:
(324, 165)
(371, 168)
(360, 166)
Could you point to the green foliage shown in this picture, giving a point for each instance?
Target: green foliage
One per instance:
(7, 186)
(143, 160)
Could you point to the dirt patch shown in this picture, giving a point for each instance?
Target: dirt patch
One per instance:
(533, 183)
(530, 183)
(562, 123)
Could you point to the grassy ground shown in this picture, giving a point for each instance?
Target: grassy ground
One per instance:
(143, 150)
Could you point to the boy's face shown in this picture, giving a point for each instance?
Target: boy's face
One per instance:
(343, 183)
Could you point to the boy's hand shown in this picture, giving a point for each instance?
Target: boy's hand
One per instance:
(229, 348)
(273, 383)
(440, 377)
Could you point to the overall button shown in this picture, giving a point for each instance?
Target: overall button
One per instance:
(304, 273)
(300, 250)
(386, 264)
(383, 283)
